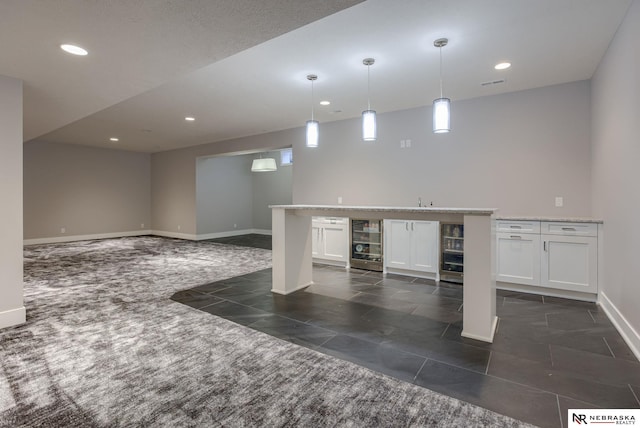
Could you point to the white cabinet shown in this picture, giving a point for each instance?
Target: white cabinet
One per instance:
(570, 257)
(556, 255)
(518, 258)
(330, 239)
(411, 245)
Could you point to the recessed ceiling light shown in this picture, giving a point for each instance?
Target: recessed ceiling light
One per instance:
(114, 139)
(325, 103)
(502, 66)
(73, 49)
(189, 118)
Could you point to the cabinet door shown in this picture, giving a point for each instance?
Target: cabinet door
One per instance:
(398, 244)
(570, 263)
(316, 244)
(335, 241)
(518, 258)
(424, 245)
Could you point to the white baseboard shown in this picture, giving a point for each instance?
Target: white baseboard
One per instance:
(13, 317)
(71, 238)
(533, 289)
(626, 330)
(187, 236)
(232, 233)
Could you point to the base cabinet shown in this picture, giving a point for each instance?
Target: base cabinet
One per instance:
(570, 263)
(330, 239)
(555, 255)
(411, 245)
(518, 258)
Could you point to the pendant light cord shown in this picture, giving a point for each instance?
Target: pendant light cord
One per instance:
(312, 100)
(368, 87)
(440, 71)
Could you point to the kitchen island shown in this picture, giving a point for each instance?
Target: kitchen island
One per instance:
(292, 258)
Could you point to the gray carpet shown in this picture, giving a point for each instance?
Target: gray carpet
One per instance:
(104, 346)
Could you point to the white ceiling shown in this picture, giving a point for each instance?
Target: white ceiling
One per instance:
(153, 62)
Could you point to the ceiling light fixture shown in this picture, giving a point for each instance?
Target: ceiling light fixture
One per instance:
(74, 50)
(312, 125)
(189, 118)
(325, 103)
(263, 165)
(441, 106)
(114, 139)
(502, 66)
(369, 128)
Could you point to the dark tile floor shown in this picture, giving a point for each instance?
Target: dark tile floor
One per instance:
(548, 355)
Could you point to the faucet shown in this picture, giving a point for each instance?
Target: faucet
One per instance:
(419, 201)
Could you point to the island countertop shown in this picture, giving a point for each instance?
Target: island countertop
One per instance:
(389, 209)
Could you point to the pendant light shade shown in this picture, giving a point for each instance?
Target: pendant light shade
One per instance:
(263, 165)
(313, 130)
(369, 125)
(441, 115)
(312, 133)
(369, 128)
(441, 106)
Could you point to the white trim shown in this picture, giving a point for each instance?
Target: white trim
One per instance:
(545, 291)
(413, 273)
(188, 236)
(482, 338)
(13, 317)
(71, 238)
(300, 287)
(626, 330)
(232, 233)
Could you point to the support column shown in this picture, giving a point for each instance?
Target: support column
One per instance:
(291, 251)
(12, 311)
(479, 310)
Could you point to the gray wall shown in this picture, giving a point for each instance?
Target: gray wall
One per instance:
(224, 194)
(173, 177)
(230, 197)
(271, 188)
(616, 151)
(11, 306)
(86, 190)
(515, 152)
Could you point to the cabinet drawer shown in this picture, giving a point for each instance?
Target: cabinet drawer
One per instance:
(569, 229)
(518, 226)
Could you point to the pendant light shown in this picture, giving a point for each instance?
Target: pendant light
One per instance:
(441, 106)
(312, 125)
(263, 165)
(369, 128)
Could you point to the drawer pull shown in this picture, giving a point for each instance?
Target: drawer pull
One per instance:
(515, 227)
(516, 236)
(569, 229)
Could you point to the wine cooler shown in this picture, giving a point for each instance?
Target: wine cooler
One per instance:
(366, 244)
(451, 252)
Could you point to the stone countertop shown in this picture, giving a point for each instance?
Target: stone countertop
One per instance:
(558, 219)
(433, 210)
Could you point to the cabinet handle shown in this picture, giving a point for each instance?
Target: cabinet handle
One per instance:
(406, 226)
(571, 229)
(516, 236)
(412, 226)
(544, 245)
(515, 227)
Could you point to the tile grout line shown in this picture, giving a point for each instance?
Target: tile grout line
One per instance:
(445, 330)
(608, 347)
(634, 393)
(592, 317)
(486, 371)
(560, 411)
(420, 369)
